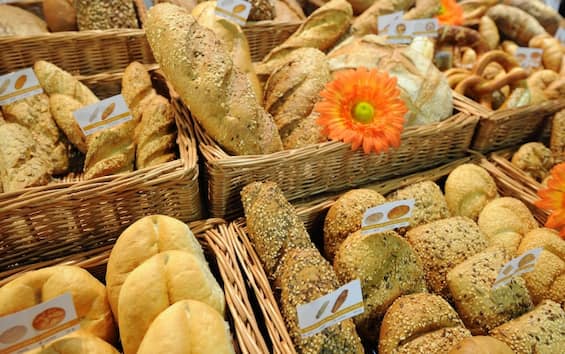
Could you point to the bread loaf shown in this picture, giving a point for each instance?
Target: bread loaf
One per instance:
(15, 21)
(387, 268)
(345, 217)
(188, 326)
(173, 276)
(34, 114)
(307, 132)
(22, 165)
(143, 239)
(305, 276)
(481, 345)
(468, 189)
(272, 223)
(105, 14)
(62, 108)
(538, 331)
(60, 15)
(481, 307)
(55, 80)
(443, 244)
(137, 89)
(187, 4)
(89, 296)
(420, 323)
(235, 119)
(288, 11)
(76, 343)
(534, 159)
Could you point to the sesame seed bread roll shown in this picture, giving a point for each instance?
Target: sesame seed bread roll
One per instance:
(272, 223)
(420, 323)
(305, 276)
(481, 307)
(443, 244)
(468, 189)
(481, 345)
(387, 268)
(538, 331)
(345, 217)
(547, 280)
(56, 80)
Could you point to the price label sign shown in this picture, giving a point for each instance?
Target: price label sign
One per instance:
(102, 115)
(525, 263)
(330, 309)
(561, 35)
(388, 216)
(529, 57)
(38, 325)
(18, 85)
(403, 32)
(233, 10)
(386, 22)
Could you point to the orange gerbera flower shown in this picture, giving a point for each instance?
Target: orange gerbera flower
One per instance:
(553, 199)
(363, 108)
(450, 13)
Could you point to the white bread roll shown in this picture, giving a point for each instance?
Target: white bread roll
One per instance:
(187, 327)
(156, 284)
(78, 342)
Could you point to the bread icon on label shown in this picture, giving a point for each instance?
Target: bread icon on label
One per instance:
(340, 300)
(4, 86)
(108, 111)
(322, 309)
(238, 8)
(94, 114)
(20, 82)
(398, 211)
(12, 335)
(48, 318)
(374, 218)
(527, 261)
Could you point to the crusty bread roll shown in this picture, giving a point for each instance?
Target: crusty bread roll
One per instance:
(272, 223)
(387, 268)
(547, 280)
(534, 159)
(443, 244)
(137, 89)
(78, 342)
(345, 217)
(15, 21)
(55, 80)
(89, 296)
(62, 108)
(105, 14)
(305, 276)
(200, 69)
(468, 189)
(481, 307)
(288, 11)
(538, 331)
(557, 140)
(481, 345)
(188, 326)
(60, 15)
(307, 132)
(504, 218)
(156, 284)
(143, 239)
(420, 323)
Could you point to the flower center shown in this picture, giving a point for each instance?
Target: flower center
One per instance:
(363, 112)
(441, 10)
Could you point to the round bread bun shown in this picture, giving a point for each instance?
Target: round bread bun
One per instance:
(143, 239)
(481, 345)
(60, 15)
(188, 326)
(387, 268)
(78, 342)
(89, 296)
(420, 323)
(534, 159)
(468, 189)
(547, 280)
(345, 217)
(162, 280)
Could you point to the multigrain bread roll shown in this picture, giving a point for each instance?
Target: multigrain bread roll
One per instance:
(345, 217)
(55, 80)
(557, 140)
(159, 282)
(34, 114)
(387, 268)
(307, 132)
(62, 108)
(105, 14)
(481, 307)
(60, 15)
(15, 21)
(21, 163)
(76, 343)
(443, 244)
(305, 276)
(547, 280)
(420, 323)
(272, 223)
(468, 189)
(538, 331)
(89, 296)
(481, 345)
(236, 120)
(294, 87)
(143, 239)
(534, 159)
(187, 326)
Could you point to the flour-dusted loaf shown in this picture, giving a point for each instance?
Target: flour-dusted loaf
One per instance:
(105, 14)
(219, 95)
(15, 21)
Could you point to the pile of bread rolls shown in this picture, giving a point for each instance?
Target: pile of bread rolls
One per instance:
(428, 287)
(160, 295)
(40, 138)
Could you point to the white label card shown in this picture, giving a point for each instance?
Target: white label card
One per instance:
(404, 31)
(148, 3)
(388, 216)
(561, 35)
(330, 309)
(18, 85)
(38, 325)
(523, 264)
(386, 21)
(103, 115)
(529, 57)
(233, 10)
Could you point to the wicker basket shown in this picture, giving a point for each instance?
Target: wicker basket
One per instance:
(72, 216)
(223, 262)
(263, 36)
